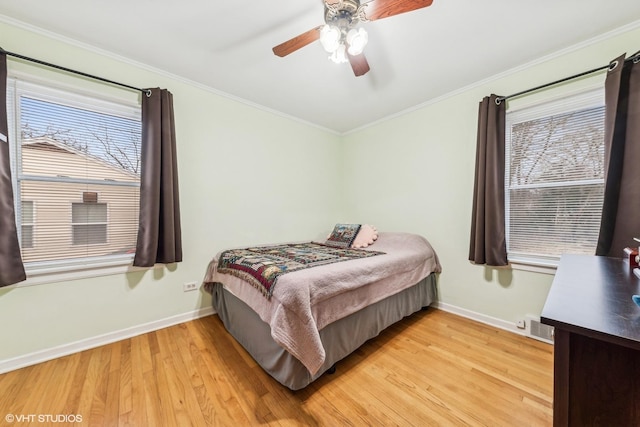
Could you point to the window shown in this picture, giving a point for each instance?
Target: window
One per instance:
(554, 178)
(26, 215)
(89, 223)
(76, 157)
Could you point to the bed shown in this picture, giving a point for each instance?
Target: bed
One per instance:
(313, 317)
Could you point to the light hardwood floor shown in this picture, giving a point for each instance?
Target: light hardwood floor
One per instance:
(433, 368)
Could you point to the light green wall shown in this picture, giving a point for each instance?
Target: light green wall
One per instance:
(246, 176)
(415, 173)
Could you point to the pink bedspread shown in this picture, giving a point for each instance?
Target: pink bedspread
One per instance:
(306, 301)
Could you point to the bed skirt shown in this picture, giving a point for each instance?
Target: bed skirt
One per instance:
(339, 338)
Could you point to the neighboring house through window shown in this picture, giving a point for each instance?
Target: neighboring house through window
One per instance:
(554, 179)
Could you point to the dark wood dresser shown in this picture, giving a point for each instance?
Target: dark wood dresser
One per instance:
(597, 342)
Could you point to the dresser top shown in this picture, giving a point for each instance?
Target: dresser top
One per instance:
(591, 295)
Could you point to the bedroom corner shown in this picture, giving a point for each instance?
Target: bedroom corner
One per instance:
(427, 186)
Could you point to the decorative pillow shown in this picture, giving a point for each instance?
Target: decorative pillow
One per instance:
(366, 236)
(343, 235)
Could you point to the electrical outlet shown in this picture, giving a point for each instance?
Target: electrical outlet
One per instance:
(190, 286)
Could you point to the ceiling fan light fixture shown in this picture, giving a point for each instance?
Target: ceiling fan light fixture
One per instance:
(330, 38)
(339, 56)
(357, 39)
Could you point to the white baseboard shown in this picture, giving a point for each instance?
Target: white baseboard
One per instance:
(97, 341)
(479, 317)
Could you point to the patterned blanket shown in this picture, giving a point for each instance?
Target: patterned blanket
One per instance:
(262, 265)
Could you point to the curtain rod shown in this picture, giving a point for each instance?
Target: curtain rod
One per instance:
(69, 70)
(635, 58)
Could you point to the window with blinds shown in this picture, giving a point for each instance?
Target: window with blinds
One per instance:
(77, 176)
(554, 178)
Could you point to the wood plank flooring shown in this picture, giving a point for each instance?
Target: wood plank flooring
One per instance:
(433, 368)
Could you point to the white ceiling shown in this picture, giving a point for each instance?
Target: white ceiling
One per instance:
(414, 57)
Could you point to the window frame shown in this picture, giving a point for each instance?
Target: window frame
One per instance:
(587, 97)
(81, 95)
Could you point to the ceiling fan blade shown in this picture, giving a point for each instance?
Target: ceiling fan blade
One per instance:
(298, 42)
(378, 9)
(359, 64)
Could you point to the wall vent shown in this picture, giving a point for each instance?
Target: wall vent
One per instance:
(89, 197)
(540, 331)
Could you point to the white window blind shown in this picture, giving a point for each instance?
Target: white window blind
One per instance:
(78, 163)
(555, 178)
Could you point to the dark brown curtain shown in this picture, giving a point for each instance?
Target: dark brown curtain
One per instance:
(11, 267)
(159, 233)
(488, 242)
(621, 209)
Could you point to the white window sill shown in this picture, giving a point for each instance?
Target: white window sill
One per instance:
(536, 265)
(52, 272)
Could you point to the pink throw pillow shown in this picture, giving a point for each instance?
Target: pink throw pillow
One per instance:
(365, 237)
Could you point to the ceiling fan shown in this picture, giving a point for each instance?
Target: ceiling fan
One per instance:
(341, 37)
